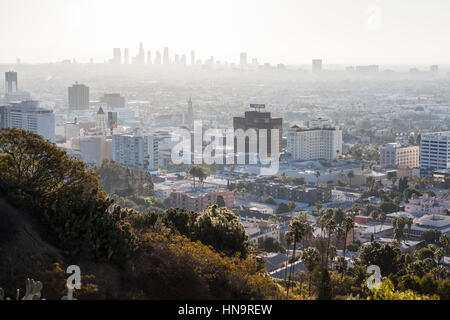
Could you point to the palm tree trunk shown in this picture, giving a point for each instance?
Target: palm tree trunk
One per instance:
(309, 285)
(290, 271)
(343, 255)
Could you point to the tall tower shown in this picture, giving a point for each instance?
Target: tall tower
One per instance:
(78, 97)
(158, 57)
(317, 66)
(126, 56)
(117, 56)
(243, 59)
(11, 85)
(190, 114)
(192, 57)
(149, 57)
(166, 56)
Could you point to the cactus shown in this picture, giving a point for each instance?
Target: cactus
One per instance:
(32, 291)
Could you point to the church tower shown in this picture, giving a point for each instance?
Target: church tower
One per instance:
(101, 121)
(190, 114)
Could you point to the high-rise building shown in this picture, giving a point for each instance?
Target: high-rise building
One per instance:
(435, 151)
(113, 100)
(183, 60)
(126, 56)
(434, 68)
(243, 59)
(317, 65)
(11, 84)
(258, 120)
(29, 116)
(117, 56)
(314, 143)
(149, 57)
(192, 57)
(158, 57)
(166, 60)
(78, 97)
(136, 151)
(395, 154)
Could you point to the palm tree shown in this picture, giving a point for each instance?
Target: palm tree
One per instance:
(291, 206)
(310, 259)
(374, 215)
(330, 227)
(297, 231)
(348, 224)
(350, 176)
(288, 239)
(317, 174)
(333, 254)
(409, 223)
(369, 181)
(382, 218)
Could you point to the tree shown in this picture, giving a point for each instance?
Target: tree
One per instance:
(221, 228)
(297, 231)
(310, 259)
(291, 206)
(325, 286)
(350, 176)
(348, 224)
(220, 201)
(330, 227)
(387, 255)
(64, 196)
(382, 218)
(317, 174)
(197, 171)
(282, 208)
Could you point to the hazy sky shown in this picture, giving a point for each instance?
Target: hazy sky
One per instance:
(288, 31)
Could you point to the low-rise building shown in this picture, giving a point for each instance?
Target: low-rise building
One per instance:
(426, 205)
(401, 156)
(199, 199)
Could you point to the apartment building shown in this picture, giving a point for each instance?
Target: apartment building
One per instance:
(395, 154)
(435, 151)
(136, 151)
(29, 116)
(426, 205)
(314, 143)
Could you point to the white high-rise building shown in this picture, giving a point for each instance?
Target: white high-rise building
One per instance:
(314, 143)
(136, 151)
(435, 151)
(29, 116)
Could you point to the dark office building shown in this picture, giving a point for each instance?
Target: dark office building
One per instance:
(78, 97)
(258, 120)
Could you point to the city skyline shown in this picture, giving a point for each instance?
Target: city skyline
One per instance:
(289, 32)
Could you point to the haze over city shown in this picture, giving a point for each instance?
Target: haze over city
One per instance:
(275, 31)
(272, 152)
